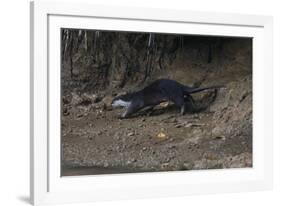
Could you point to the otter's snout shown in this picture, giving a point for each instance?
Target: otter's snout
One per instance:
(114, 104)
(119, 103)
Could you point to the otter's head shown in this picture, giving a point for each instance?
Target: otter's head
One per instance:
(122, 101)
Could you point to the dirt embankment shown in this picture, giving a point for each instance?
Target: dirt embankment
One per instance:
(220, 136)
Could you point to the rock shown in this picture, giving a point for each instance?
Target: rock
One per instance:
(80, 115)
(188, 125)
(93, 98)
(76, 99)
(131, 161)
(164, 104)
(220, 138)
(178, 126)
(207, 164)
(218, 131)
(165, 165)
(173, 120)
(193, 125)
(82, 100)
(131, 134)
(193, 140)
(65, 111)
(98, 105)
(172, 146)
(161, 135)
(66, 99)
(187, 166)
(209, 156)
(195, 116)
(239, 161)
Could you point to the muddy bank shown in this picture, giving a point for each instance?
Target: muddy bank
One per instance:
(96, 141)
(218, 137)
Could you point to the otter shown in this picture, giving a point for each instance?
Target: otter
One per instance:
(161, 90)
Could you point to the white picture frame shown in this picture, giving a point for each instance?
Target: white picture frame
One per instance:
(47, 186)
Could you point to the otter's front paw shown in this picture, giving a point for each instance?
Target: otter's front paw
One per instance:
(122, 116)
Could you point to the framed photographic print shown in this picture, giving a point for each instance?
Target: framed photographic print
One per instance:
(133, 103)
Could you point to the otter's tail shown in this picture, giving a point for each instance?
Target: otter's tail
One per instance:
(191, 90)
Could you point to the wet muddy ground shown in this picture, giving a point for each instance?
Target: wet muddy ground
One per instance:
(96, 141)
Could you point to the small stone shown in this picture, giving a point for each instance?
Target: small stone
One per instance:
(188, 125)
(165, 165)
(79, 115)
(178, 126)
(76, 99)
(144, 148)
(161, 135)
(131, 134)
(187, 166)
(66, 99)
(194, 125)
(173, 120)
(96, 99)
(194, 140)
(172, 147)
(196, 116)
(65, 111)
(220, 138)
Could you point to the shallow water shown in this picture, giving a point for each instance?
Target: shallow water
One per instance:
(73, 171)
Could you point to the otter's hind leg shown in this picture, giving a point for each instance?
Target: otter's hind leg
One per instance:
(176, 96)
(183, 109)
(179, 102)
(189, 103)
